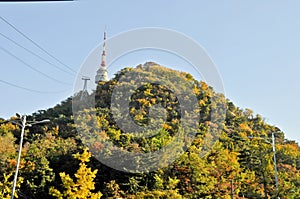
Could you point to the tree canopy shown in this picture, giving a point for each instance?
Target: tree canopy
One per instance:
(57, 162)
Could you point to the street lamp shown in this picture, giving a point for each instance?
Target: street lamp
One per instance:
(275, 163)
(274, 156)
(23, 125)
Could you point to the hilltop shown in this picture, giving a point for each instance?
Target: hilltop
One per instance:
(224, 150)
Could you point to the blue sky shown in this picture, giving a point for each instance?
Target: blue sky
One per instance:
(255, 45)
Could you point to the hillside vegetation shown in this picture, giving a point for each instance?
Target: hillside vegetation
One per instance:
(57, 161)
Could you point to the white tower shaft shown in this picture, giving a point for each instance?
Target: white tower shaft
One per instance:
(102, 71)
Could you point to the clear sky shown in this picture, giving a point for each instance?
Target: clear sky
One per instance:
(255, 45)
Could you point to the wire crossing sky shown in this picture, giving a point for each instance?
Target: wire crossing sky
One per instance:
(30, 90)
(31, 67)
(255, 45)
(36, 44)
(33, 53)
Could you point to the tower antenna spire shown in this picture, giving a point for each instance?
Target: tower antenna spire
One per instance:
(103, 59)
(102, 71)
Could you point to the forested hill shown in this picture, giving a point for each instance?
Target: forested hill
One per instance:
(56, 161)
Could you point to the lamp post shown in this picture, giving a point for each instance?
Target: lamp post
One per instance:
(275, 163)
(23, 125)
(274, 157)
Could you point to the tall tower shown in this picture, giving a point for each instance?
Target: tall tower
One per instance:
(102, 71)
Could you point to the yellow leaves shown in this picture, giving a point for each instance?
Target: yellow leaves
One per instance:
(101, 121)
(159, 183)
(66, 179)
(144, 102)
(169, 194)
(6, 185)
(147, 92)
(7, 147)
(30, 166)
(290, 150)
(113, 134)
(55, 130)
(153, 100)
(172, 183)
(54, 192)
(81, 189)
(196, 90)
(202, 102)
(84, 157)
(133, 111)
(8, 128)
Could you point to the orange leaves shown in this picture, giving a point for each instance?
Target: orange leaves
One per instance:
(203, 85)
(166, 126)
(245, 128)
(13, 163)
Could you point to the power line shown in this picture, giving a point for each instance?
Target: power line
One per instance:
(36, 44)
(33, 53)
(31, 90)
(33, 68)
(34, 1)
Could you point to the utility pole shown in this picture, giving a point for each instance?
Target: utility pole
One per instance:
(84, 92)
(275, 163)
(23, 125)
(274, 158)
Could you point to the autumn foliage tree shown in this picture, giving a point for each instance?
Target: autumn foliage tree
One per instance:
(84, 184)
(56, 164)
